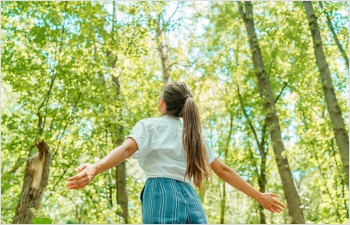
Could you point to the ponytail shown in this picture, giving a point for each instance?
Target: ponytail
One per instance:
(198, 167)
(180, 103)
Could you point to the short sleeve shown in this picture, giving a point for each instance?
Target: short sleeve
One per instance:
(141, 136)
(210, 153)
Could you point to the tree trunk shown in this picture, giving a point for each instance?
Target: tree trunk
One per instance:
(340, 133)
(260, 144)
(291, 194)
(343, 185)
(223, 198)
(262, 175)
(331, 28)
(262, 149)
(223, 203)
(164, 59)
(122, 196)
(319, 165)
(36, 175)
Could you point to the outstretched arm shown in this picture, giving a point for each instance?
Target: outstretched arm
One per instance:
(117, 156)
(86, 171)
(234, 179)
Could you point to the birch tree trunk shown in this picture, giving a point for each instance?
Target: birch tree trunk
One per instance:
(340, 133)
(290, 192)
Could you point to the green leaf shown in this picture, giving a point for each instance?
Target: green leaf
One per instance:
(42, 221)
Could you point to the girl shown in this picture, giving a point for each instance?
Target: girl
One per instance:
(172, 152)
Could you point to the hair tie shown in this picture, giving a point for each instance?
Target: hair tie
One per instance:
(187, 97)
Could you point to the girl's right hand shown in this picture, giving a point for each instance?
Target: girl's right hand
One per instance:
(268, 201)
(86, 172)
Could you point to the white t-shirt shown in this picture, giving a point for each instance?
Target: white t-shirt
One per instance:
(160, 151)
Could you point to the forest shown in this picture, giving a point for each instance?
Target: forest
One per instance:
(270, 79)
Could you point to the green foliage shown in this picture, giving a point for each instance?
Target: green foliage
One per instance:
(40, 217)
(42, 221)
(63, 61)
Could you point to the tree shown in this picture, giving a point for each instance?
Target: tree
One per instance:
(335, 36)
(291, 194)
(38, 165)
(338, 126)
(109, 74)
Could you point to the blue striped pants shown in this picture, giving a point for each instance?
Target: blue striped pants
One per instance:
(166, 200)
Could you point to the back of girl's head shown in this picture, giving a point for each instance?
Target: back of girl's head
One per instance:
(175, 95)
(180, 103)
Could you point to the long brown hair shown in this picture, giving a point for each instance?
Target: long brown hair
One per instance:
(180, 103)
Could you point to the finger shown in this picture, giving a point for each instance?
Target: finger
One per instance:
(77, 177)
(274, 195)
(272, 209)
(279, 209)
(280, 204)
(79, 185)
(269, 208)
(74, 178)
(80, 168)
(75, 187)
(77, 181)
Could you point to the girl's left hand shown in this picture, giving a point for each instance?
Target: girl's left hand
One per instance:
(86, 172)
(268, 201)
